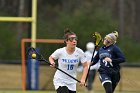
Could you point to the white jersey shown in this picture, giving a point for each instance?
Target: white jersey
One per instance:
(89, 56)
(68, 63)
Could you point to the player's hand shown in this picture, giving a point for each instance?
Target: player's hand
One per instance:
(52, 64)
(82, 83)
(108, 59)
(92, 63)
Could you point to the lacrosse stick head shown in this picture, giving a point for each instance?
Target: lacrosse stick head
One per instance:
(97, 39)
(33, 53)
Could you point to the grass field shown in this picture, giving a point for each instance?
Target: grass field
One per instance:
(12, 91)
(10, 80)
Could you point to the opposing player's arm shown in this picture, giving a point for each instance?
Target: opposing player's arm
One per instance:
(120, 58)
(95, 59)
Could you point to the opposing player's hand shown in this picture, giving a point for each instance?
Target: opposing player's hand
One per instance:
(108, 59)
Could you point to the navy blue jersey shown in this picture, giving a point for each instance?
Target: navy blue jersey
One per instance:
(112, 52)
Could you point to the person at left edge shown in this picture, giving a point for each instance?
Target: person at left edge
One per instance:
(68, 60)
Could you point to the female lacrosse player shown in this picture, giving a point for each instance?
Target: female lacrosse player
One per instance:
(110, 56)
(68, 60)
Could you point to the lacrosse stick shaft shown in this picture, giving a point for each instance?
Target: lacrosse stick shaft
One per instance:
(90, 65)
(60, 70)
(92, 58)
(43, 59)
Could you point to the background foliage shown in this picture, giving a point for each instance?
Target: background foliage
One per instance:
(84, 17)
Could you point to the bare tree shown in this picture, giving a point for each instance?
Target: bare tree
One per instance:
(20, 26)
(2, 3)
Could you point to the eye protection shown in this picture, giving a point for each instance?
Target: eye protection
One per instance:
(72, 38)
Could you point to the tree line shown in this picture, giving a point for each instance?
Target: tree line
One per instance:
(84, 17)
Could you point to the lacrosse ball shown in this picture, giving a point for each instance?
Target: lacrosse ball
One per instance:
(33, 55)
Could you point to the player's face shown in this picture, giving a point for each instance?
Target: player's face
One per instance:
(107, 41)
(72, 41)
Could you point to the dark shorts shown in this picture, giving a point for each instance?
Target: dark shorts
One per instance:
(112, 78)
(64, 89)
(104, 78)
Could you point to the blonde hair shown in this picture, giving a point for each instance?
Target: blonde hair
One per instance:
(112, 36)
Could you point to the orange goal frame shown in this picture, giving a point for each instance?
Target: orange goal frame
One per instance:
(23, 41)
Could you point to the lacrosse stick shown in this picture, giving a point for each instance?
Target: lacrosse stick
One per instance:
(41, 58)
(97, 39)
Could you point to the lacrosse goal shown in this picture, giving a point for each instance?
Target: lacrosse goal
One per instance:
(23, 59)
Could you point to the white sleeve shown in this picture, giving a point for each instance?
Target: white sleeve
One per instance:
(88, 56)
(83, 57)
(56, 54)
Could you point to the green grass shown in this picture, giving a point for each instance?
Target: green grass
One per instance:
(129, 82)
(20, 91)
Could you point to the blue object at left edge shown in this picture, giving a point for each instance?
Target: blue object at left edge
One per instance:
(32, 72)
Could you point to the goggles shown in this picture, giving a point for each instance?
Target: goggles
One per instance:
(72, 38)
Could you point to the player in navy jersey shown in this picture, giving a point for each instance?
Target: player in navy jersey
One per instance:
(110, 56)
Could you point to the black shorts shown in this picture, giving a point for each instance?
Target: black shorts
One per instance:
(64, 89)
(112, 78)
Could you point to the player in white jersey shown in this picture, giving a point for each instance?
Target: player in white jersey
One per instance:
(68, 59)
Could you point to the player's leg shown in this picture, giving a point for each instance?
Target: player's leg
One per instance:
(106, 82)
(62, 89)
(91, 78)
(108, 87)
(115, 81)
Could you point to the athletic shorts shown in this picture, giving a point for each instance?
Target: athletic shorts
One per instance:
(104, 78)
(58, 82)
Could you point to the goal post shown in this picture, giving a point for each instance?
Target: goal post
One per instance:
(32, 20)
(23, 59)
